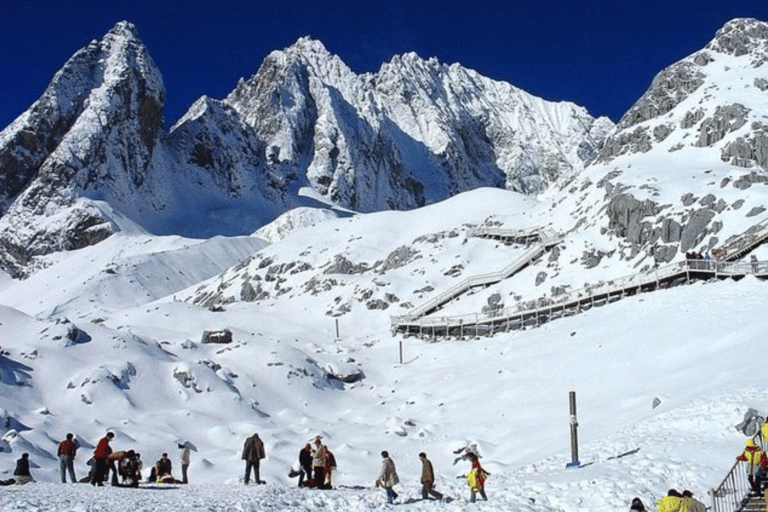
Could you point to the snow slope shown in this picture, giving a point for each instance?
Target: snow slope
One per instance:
(141, 371)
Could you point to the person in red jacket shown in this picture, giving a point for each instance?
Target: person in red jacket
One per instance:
(67, 451)
(757, 461)
(100, 455)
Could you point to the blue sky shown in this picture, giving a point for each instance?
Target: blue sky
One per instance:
(599, 54)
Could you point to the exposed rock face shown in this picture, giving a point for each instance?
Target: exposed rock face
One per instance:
(686, 125)
(683, 100)
(414, 133)
(93, 133)
(367, 142)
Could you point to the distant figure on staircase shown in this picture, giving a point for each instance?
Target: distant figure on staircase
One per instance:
(753, 261)
(756, 461)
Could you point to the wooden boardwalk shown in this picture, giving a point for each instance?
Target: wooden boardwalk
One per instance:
(535, 313)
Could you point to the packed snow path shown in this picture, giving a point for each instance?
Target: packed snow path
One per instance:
(534, 314)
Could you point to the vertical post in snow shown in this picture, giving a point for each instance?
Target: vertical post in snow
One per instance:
(338, 338)
(574, 436)
(401, 351)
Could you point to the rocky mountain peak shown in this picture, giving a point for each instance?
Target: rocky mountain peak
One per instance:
(693, 98)
(742, 36)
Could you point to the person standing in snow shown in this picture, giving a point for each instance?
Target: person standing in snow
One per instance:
(305, 464)
(476, 478)
(637, 505)
(428, 478)
(184, 461)
(66, 452)
(757, 462)
(318, 463)
(691, 504)
(330, 466)
(100, 455)
(672, 502)
(253, 452)
(388, 477)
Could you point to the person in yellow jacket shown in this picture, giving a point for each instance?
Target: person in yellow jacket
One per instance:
(757, 461)
(672, 502)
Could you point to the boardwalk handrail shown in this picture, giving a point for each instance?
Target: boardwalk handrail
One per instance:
(734, 246)
(732, 493)
(546, 238)
(602, 288)
(577, 300)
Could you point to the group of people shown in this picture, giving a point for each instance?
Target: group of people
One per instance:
(125, 466)
(388, 478)
(698, 260)
(317, 463)
(316, 466)
(757, 463)
(673, 502)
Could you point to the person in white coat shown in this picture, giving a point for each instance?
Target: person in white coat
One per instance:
(388, 477)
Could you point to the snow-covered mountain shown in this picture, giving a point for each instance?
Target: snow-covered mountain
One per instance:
(162, 338)
(685, 168)
(414, 133)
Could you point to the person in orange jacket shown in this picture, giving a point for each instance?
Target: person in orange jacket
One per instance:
(757, 461)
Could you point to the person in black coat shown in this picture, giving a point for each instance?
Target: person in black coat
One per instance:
(21, 473)
(305, 463)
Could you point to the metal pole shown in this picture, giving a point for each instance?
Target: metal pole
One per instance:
(574, 436)
(401, 351)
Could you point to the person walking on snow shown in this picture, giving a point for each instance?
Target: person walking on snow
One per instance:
(476, 478)
(428, 478)
(67, 451)
(388, 477)
(253, 452)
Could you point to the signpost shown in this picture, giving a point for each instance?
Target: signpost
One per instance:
(574, 436)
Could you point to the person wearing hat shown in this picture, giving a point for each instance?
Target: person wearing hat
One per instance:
(637, 505)
(756, 461)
